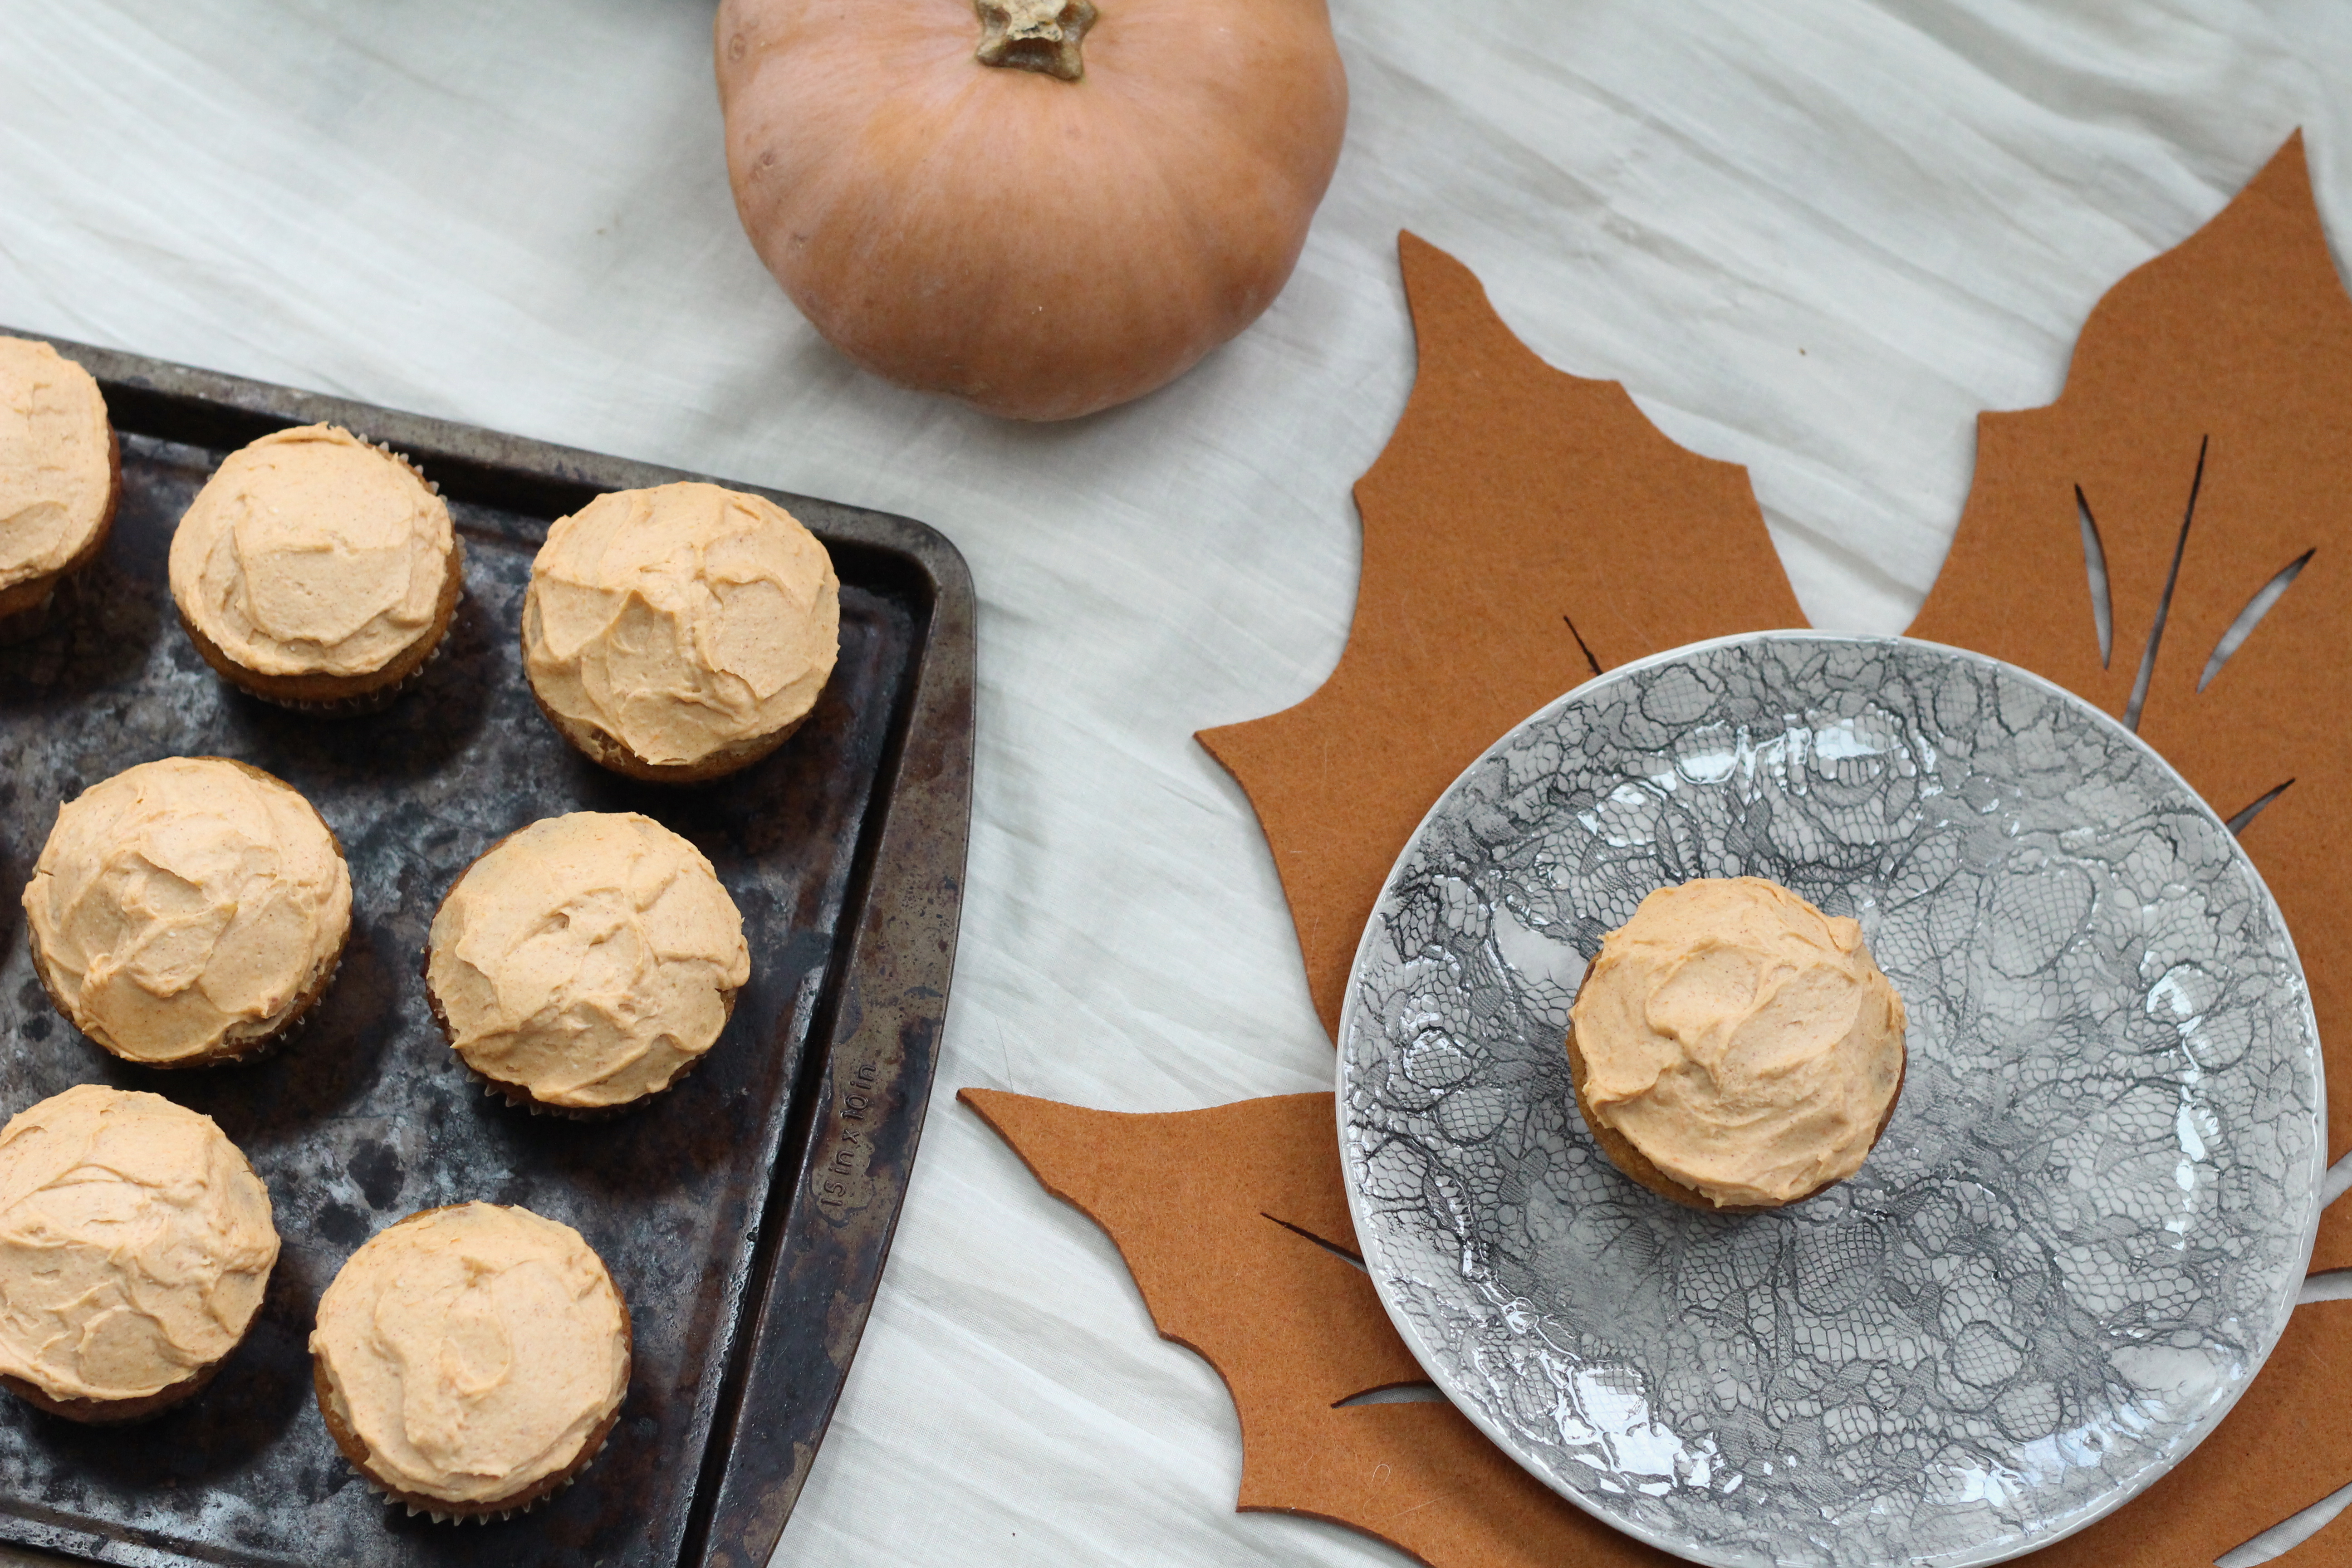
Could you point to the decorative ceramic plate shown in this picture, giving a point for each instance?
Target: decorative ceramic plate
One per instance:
(2066, 1257)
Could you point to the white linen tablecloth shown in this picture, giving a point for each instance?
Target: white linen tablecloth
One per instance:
(1815, 237)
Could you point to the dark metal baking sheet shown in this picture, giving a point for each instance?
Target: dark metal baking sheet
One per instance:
(745, 1214)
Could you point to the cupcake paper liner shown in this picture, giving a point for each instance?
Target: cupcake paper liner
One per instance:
(277, 1039)
(438, 1516)
(261, 1049)
(523, 1100)
(112, 1412)
(366, 702)
(393, 1499)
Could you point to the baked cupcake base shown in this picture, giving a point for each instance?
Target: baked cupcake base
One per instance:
(608, 751)
(1634, 1163)
(269, 1035)
(113, 1412)
(343, 696)
(441, 1509)
(521, 1098)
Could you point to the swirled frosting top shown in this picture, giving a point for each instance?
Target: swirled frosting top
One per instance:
(474, 1349)
(57, 462)
(681, 620)
(1745, 1042)
(589, 959)
(135, 1243)
(186, 904)
(312, 553)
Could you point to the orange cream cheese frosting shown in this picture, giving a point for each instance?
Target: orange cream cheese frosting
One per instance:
(56, 464)
(135, 1243)
(474, 1349)
(312, 553)
(588, 958)
(681, 620)
(186, 904)
(1745, 1042)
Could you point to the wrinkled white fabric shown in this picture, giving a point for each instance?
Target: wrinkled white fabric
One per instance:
(1815, 237)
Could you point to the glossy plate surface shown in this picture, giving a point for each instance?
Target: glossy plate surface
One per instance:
(2072, 1249)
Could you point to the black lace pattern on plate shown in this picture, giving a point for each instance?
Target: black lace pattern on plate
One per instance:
(2080, 1235)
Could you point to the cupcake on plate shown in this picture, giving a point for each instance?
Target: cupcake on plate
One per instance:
(316, 571)
(585, 962)
(60, 476)
(679, 633)
(135, 1244)
(188, 912)
(470, 1361)
(1734, 1049)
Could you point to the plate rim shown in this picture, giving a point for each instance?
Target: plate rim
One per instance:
(1367, 1236)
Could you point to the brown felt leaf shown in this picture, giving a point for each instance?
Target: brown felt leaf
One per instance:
(2204, 440)
(1524, 529)
(1227, 1219)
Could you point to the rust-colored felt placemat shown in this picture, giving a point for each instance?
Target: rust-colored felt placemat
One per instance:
(1523, 531)
(1234, 1222)
(1527, 529)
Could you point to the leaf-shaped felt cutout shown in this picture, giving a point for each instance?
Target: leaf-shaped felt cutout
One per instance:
(1227, 1220)
(1524, 529)
(1231, 1220)
(2219, 373)
(2221, 370)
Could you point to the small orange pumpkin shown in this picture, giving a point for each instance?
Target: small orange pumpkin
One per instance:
(1036, 206)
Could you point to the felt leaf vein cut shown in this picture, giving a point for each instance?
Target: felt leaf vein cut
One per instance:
(2195, 478)
(1523, 531)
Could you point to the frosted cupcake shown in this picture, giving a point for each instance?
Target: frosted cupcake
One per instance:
(1734, 1049)
(470, 1361)
(189, 912)
(585, 962)
(314, 570)
(135, 1246)
(679, 633)
(60, 476)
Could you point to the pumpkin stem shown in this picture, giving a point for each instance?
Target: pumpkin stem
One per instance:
(1034, 35)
